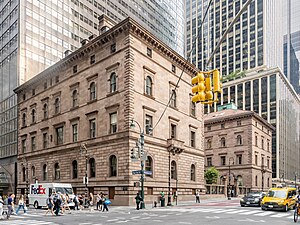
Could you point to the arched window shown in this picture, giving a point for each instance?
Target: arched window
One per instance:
(149, 165)
(56, 171)
(256, 181)
(148, 85)
(223, 142)
(239, 140)
(173, 99)
(24, 174)
(193, 174)
(74, 170)
(92, 91)
(173, 170)
(74, 98)
(92, 167)
(113, 82)
(24, 120)
(45, 172)
(57, 106)
(208, 144)
(45, 110)
(240, 180)
(33, 172)
(33, 114)
(113, 166)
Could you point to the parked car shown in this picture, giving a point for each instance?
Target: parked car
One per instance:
(252, 199)
(279, 198)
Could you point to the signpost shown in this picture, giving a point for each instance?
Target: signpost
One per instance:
(134, 172)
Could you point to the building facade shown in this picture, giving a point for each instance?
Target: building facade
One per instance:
(253, 41)
(268, 93)
(91, 96)
(242, 141)
(35, 34)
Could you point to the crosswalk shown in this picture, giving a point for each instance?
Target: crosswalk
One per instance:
(236, 211)
(26, 222)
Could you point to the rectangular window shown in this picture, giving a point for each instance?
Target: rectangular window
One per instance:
(75, 69)
(33, 144)
(23, 145)
(93, 59)
(239, 159)
(262, 161)
(193, 109)
(75, 132)
(92, 128)
(209, 161)
(45, 140)
(173, 68)
(113, 48)
(173, 131)
(238, 123)
(268, 163)
(45, 85)
(113, 122)
(59, 135)
(148, 124)
(193, 136)
(222, 125)
(208, 127)
(149, 52)
(256, 158)
(223, 160)
(33, 92)
(56, 79)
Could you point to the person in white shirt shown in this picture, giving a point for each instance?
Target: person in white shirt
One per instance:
(21, 204)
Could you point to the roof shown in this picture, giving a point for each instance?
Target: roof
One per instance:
(230, 114)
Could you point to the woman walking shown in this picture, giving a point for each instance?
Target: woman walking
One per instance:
(50, 205)
(21, 205)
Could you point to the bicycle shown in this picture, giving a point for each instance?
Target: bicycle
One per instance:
(296, 212)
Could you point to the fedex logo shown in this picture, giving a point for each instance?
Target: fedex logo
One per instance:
(39, 190)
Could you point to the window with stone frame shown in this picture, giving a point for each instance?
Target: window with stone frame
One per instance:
(148, 85)
(113, 82)
(193, 108)
(239, 159)
(92, 165)
(193, 139)
(75, 132)
(112, 166)
(23, 174)
(45, 111)
(33, 116)
(209, 161)
(92, 128)
(33, 173)
(256, 159)
(239, 123)
(45, 140)
(23, 147)
(256, 181)
(223, 160)
(33, 143)
(262, 143)
(193, 172)
(74, 169)
(113, 122)
(268, 163)
(148, 124)
(256, 141)
(149, 166)
(222, 125)
(239, 140)
(173, 170)
(149, 52)
(92, 89)
(208, 144)
(262, 161)
(57, 106)
(173, 98)
(173, 130)
(45, 172)
(56, 171)
(93, 59)
(24, 120)
(74, 98)
(223, 142)
(268, 145)
(59, 135)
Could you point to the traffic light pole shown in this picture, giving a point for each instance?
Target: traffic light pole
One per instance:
(142, 171)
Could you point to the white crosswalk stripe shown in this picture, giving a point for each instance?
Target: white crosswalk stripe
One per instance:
(26, 222)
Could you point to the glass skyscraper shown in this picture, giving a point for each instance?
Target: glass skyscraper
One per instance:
(34, 34)
(269, 94)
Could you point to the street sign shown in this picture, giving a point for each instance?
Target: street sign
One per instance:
(148, 172)
(136, 172)
(85, 180)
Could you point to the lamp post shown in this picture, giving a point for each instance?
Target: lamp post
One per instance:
(26, 180)
(84, 148)
(296, 179)
(142, 141)
(229, 180)
(169, 188)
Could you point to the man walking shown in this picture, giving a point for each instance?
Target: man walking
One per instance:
(138, 200)
(10, 205)
(197, 197)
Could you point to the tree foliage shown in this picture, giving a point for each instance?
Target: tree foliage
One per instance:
(211, 175)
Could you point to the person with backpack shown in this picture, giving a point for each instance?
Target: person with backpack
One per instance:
(138, 200)
(76, 202)
(10, 205)
(50, 205)
(105, 204)
(21, 204)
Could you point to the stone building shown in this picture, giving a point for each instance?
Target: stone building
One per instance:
(91, 97)
(239, 141)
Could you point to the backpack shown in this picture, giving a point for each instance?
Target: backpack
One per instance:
(75, 199)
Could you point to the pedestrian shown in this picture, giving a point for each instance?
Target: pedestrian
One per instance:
(10, 205)
(98, 204)
(104, 204)
(1, 208)
(50, 205)
(138, 200)
(57, 202)
(21, 204)
(91, 199)
(197, 197)
(76, 202)
(80, 198)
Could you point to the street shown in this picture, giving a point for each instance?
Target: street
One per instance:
(220, 212)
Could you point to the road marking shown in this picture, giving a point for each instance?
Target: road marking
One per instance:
(163, 215)
(159, 221)
(251, 212)
(212, 217)
(184, 222)
(280, 215)
(112, 220)
(237, 211)
(122, 221)
(253, 221)
(223, 211)
(146, 218)
(264, 214)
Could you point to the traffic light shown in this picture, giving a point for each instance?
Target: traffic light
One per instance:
(216, 81)
(133, 154)
(208, 93)
(199, 88)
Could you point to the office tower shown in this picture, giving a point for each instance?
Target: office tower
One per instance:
(253, 41)
(268, 93)
(292, 42)
(34, 34)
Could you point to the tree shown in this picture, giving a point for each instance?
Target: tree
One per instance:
(211, 175)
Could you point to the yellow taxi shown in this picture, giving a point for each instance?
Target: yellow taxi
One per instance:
(279, 198)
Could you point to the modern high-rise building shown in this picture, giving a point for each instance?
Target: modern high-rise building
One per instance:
(253, 41)
(292, 42)
(34, 34)
(269, 93)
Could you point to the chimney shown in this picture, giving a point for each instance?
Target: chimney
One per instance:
(67, 52)
(105, 23)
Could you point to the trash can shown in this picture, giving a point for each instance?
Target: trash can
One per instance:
(162, 202)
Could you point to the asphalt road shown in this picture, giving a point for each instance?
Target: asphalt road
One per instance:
(211, 213)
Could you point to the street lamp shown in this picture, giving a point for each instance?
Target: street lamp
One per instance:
(142, 141)
(26, 180)
(229, 180)
(84, 148)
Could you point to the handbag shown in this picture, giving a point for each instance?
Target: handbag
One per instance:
(107, 202)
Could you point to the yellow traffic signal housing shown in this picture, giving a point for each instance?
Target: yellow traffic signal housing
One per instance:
(199, 89)
(208, 92)
(216, 81)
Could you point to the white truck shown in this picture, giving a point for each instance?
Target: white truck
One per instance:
(39, 192)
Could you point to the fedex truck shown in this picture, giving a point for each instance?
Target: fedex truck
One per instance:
(39, 192)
